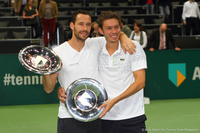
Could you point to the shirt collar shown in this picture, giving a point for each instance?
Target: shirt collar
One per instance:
(104, 50)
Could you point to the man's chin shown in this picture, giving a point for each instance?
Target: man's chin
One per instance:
(83, 38)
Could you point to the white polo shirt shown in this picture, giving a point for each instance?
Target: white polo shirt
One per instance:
(116, 74)
(75, 65)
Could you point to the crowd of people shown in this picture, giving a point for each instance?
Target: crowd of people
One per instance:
(160, 38)
(42, 15)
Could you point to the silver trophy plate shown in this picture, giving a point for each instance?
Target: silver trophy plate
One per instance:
(40, 59)
(84, 97)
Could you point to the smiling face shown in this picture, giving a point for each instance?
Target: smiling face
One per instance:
(111, 30)
(82, 26)
(136, 28)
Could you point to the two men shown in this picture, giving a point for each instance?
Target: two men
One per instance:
(123, 76)
(80, 60)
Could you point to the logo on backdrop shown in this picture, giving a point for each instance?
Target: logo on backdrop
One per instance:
(177, 73)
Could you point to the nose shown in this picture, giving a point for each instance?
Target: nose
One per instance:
(85, 27)
(114, 30)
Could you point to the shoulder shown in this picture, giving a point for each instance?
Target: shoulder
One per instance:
(34, 7)
(97, 42)
(41, 3)
(136, 44)
(143, 32)
(187, 2)
(53, 2)
(60, 47)
(128, 27)
(169, 31)
(155, 31)
(139, 50)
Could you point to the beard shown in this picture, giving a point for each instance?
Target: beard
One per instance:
(76, 33)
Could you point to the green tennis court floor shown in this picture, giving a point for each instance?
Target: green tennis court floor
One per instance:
(163, 116)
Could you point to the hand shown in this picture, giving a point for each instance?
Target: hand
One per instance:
(61, 94)
(151, 49)
(127, 44)
(107, 106)
(184, 22)
(31, 17)
(177, 49)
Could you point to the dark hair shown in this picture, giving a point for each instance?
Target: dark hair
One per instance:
(139, 25)
(107, 15)
(123, 21)
(74, 15)
(26, 5)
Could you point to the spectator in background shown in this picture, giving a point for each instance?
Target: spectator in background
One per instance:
(139, 35)
(164, 8)
(150, 6)
(20, 4)
(127, 30)
(95, 30)
(30, 14)
(161, 38)
(48, 12)
(190, 16)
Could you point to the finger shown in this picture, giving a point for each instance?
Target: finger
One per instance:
(131, 49)
(124, 50)
(63, 100)
(102, 106)
(63, 95)
(133, 46)
(103, 113)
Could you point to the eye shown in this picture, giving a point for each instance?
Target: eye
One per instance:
(116, 27)
(89, 24)
(80, 23)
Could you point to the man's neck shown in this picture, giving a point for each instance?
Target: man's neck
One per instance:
(76, 44)
(111, 48)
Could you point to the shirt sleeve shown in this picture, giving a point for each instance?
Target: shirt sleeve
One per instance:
(131, 35)
(183, 13)
(144, 39)
(100, 41)
(138, 59)
(197, 10)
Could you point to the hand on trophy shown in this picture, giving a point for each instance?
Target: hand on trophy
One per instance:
(61, 95)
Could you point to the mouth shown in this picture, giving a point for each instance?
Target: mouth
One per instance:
(114, 37)
(84, 33)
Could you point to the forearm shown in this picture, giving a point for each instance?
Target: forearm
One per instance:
(48, 83)
(122, 35)
(136, 86)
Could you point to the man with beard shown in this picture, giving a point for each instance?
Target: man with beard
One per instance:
(79, 60)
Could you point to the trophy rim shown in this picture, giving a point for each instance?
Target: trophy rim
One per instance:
(35, 70)
(67, 104)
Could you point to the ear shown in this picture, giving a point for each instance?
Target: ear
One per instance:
(71, 26)
(101, 31)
